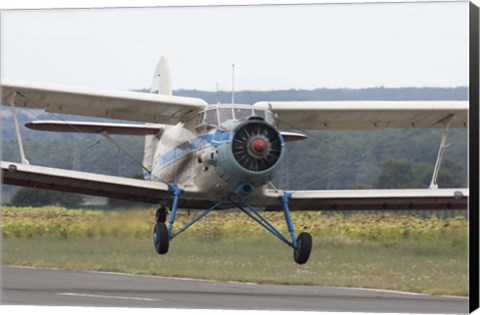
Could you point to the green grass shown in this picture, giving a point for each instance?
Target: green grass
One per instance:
(334, 262)
(383, 252)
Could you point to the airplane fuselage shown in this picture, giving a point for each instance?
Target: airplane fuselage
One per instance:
(206, 154)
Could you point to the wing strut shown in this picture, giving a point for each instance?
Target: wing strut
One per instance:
(441, 150)
(23, 159)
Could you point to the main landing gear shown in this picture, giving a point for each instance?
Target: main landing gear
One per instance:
(302, 245)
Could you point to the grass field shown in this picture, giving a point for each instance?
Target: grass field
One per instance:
(393, 252)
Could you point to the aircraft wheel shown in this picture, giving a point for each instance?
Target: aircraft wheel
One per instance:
(304, 248)
(160, 238)
(161, 214)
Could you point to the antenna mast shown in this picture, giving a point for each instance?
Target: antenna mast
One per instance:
(233, 84)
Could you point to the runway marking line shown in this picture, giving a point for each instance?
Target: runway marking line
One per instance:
(110, 297)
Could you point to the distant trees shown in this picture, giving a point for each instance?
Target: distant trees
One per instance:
(395, 174)
(399, 174)
(39, 197)
(423, 176)
(450, 175)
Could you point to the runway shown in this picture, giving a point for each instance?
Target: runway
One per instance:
(37, 286)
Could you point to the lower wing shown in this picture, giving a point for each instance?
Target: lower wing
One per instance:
(374, 199)
(156, 192)
(94, 184)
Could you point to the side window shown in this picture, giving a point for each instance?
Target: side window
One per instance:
(199, 119)
(270, 117)
(211, 117)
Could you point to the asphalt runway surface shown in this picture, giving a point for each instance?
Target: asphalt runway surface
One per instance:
(37, 286)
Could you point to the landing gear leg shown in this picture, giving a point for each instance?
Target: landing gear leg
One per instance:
(302, 245)
(162, 234)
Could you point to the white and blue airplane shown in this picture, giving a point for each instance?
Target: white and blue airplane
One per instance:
(219, 156)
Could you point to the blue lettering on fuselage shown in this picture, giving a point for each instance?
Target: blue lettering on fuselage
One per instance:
(221, 136)
(194, 145)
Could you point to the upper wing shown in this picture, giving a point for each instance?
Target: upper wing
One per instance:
(376, 199)
(367, 115)
(94, 184)
(125, 105)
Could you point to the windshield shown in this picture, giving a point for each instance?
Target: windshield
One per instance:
(225, 114)
(242, 113)
(216, 116)
(260, 113)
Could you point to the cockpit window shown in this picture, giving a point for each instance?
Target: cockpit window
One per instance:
(225, 114)
(243, 113)
(269, 117)
(260, 113)
(211, 117)
(216, 116)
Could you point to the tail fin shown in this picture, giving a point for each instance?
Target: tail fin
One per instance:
(162, 81)
(161, 84)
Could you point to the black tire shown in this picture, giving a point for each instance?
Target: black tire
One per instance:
(160, 238)
(161, 214)
(304, 248)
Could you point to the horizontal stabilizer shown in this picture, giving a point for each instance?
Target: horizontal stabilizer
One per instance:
(292, 136)
(91, 127)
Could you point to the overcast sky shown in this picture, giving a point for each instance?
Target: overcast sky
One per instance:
(272, 47)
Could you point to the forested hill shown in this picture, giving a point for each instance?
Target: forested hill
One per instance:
(326, 160)
(368, 94)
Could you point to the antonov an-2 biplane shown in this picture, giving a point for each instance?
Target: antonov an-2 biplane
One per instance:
(219, 156)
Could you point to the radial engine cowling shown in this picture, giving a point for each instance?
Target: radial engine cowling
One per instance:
(249, 154)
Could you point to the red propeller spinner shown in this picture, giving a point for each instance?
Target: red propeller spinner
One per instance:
(259, 145)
